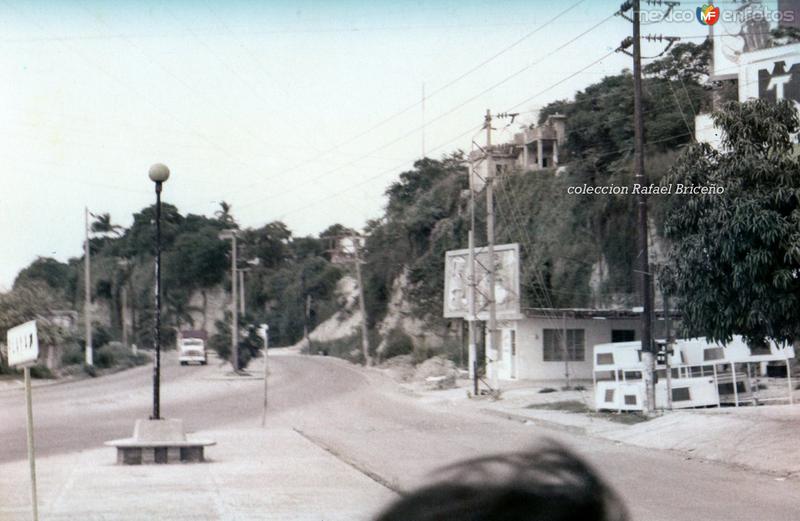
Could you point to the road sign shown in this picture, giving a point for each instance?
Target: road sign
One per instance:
(23, 344)
(23, 350)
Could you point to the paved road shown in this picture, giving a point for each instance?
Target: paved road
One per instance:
(393, 438)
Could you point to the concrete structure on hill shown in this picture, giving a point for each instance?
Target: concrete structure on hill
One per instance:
(535, 148)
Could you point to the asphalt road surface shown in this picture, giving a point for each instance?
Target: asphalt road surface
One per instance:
(363, 419)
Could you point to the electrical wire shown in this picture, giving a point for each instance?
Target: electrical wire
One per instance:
(448, 112)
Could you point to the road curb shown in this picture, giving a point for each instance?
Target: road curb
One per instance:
(521, 418)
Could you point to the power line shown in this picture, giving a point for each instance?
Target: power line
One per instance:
(435, 92)
(454, 109)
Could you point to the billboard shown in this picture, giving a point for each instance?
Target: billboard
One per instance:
(742, 28)
(772, 74)
(506, 287)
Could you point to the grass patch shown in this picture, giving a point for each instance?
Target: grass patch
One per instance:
(625, 418)
(567, 405)
(574, 406)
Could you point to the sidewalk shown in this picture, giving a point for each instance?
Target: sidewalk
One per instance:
(760, 438)
(253, 473)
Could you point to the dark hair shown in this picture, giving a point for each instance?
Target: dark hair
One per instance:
(548, 484)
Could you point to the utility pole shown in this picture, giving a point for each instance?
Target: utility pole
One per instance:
(225, 235)
(307, 310)
(491, 345)
(565, 351)
(124, 298)
(307, 321)
(648, 354)
(87, 305)
(235, 328)
(472, 353)
(361, 303)
(667, 349)
(241, 291)
(265, 334)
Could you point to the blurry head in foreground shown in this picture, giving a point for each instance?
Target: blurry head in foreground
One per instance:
(549, 484)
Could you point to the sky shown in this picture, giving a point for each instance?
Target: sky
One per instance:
(302, 111)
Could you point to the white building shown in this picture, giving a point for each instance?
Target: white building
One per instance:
(535, 346)
(699, 373)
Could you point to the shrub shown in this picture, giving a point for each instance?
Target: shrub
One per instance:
(348, 348)
(114, 354)
(72, 355)
(398, 343)
(41, 371)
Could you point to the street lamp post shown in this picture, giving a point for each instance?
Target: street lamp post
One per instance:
(158, 174)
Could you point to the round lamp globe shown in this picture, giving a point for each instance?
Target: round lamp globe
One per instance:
(159, 173)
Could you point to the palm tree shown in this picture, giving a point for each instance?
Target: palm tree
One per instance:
(224, 215)
(102, 224)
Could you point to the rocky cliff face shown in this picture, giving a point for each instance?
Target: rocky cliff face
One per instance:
(399, 316)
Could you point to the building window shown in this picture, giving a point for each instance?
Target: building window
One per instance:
(605, 358)
(630, 399)
(575, 345)
(681, 394)
(513, 342)
(623, 335)
(713, 353)
(609, 395)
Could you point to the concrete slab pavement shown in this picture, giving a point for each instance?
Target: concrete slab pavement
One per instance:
(253, 473)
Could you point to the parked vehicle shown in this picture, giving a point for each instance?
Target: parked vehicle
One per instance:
(192, 347)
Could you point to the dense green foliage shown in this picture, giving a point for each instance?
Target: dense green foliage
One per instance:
(283, 270)
(735, 257)
(600, 129)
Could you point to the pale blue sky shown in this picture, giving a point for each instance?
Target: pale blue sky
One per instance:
(267, 105)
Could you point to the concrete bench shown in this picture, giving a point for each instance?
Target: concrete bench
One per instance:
(159, 441)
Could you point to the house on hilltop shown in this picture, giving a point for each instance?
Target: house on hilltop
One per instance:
(535, 148)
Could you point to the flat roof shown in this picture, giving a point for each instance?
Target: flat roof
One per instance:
(591, 313)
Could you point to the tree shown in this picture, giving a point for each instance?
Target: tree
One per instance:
(224, 215)
(734, 262)
(102, 224)
(56, 275)
(685, 62)
(28, 302)
(269, 244)
(250, 342)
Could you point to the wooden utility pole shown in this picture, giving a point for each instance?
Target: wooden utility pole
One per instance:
(492, 344)
(225, 235)
(124, 298)
(241, 291)
(87, 275)
(361, 303)
(307, 322)
(235, 328)
(643, 264)
(472, 351)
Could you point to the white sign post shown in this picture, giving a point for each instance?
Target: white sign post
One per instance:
(23, 350)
